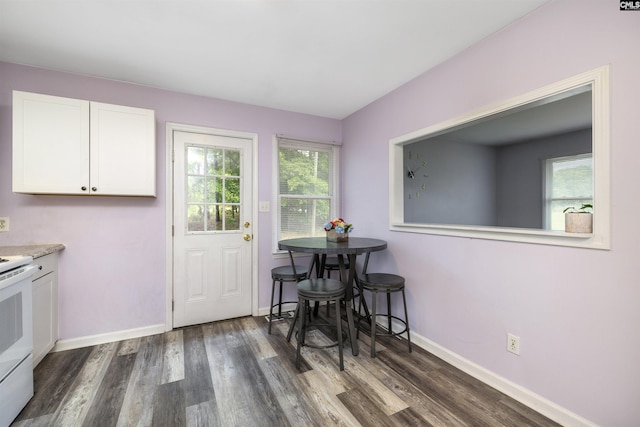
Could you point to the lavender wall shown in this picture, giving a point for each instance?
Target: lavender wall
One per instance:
(112, 273)
(576, 310)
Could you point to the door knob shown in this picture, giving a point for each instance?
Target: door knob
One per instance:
(247, 237)
(247, 224)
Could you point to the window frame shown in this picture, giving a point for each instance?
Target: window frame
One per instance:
(548, 185)
(601, 236)
(333, 148)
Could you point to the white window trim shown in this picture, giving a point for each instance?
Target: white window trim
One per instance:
(334, 189)
(601, 236)
(547, 174)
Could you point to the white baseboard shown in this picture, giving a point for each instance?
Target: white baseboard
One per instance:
(534, 401)
(87, 341)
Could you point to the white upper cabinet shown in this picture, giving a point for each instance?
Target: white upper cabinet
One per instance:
(123, 150)
(71, 146)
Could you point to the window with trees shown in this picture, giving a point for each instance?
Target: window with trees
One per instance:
(307, 195)
(568, 182)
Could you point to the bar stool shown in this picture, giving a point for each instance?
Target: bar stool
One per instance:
(317, 290)
(332, 264)
(283, 274)
(388, 284)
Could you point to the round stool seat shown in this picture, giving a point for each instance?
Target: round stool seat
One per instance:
(285, 273)
(320, 289)
(382, 282)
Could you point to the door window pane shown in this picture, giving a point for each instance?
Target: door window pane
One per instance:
(232, 163)
(195, 160)
(195, 218)
(214, 161)
(232, 217)
(213, 189)
(195, 189)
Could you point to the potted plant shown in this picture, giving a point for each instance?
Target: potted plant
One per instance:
(337, 230)
(578, 220)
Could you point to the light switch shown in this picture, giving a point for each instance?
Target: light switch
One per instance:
(263, 207)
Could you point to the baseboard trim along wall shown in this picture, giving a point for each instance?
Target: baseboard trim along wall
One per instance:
(91, 340)
(511, 389)
(534, 401)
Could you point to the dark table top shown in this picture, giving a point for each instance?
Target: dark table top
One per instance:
(320, 245)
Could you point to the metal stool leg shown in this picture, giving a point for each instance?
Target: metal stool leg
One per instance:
(273, 290)
(389, 312)
(339, 327)
(293, 323)
(303, 303)
(406, 318)
(374, 296)
(280, 300)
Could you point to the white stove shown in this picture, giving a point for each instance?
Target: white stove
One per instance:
(16, 336)
(10, 262)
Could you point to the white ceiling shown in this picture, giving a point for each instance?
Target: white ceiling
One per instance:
(323, 57)
(553, 115)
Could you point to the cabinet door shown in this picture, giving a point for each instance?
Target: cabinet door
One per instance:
(123, 150)
(50, 144)
(45, 306)
(44, 335)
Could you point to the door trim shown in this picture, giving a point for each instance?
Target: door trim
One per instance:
(170, 128)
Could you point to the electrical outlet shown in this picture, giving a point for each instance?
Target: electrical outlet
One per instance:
(513, 344)
(4, 223)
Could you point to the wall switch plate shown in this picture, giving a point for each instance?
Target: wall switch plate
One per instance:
(513, 344)
(263, 207)
(4, 223)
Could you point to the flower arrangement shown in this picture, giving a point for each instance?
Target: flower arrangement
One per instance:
(339, 225)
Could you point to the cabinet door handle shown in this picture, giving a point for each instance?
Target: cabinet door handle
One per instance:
(94, 189)
(84, 188)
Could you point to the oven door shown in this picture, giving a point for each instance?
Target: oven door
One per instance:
(16, 329)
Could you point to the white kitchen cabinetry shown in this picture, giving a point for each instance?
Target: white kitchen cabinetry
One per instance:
(45, 306)
(72, 146)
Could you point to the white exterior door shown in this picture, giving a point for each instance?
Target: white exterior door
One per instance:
(212, 227)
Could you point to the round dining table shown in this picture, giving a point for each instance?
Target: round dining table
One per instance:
(320, 247)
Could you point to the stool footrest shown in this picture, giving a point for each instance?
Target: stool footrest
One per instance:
(390, 334)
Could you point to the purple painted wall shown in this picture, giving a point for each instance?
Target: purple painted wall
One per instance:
(575, 310)
(112, 273)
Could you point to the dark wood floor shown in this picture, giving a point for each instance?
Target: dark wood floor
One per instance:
(232, 373)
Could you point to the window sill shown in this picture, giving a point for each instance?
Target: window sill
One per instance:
(522, 235)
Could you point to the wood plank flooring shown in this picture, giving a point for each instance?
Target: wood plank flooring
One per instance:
(233, 373)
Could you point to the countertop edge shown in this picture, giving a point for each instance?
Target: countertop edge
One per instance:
(34, 251)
